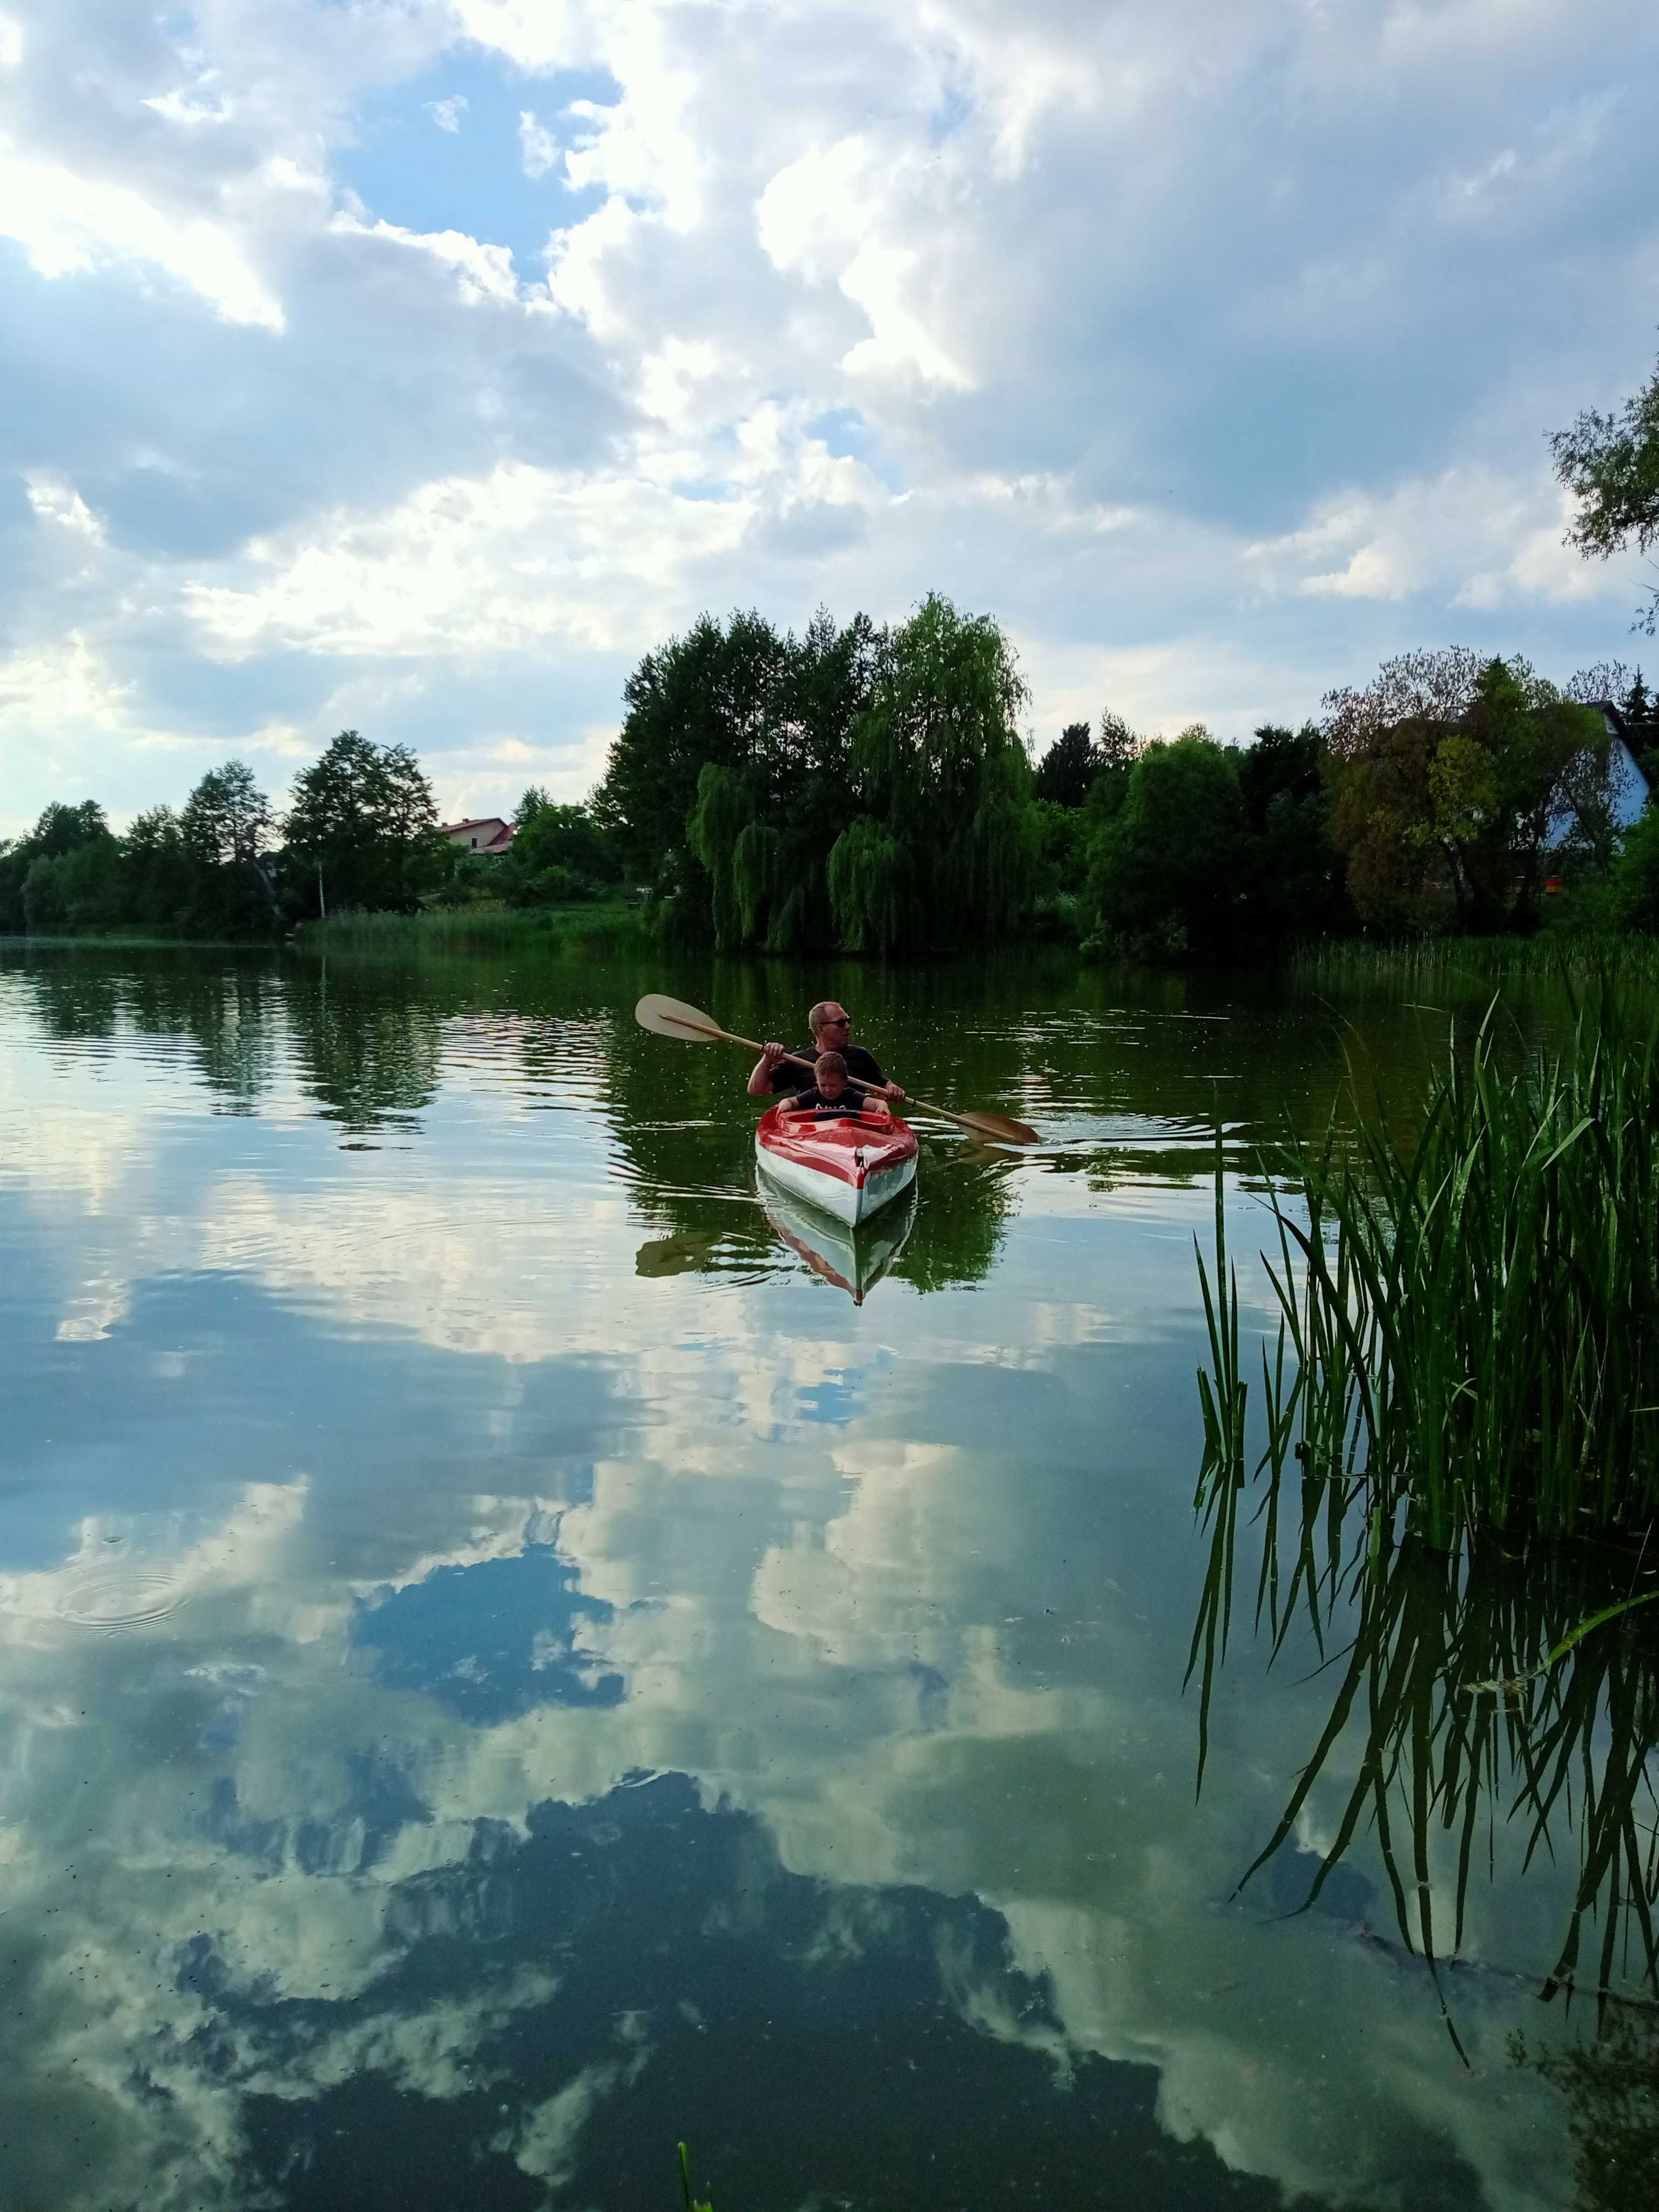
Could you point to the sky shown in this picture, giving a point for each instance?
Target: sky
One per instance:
(414, 365)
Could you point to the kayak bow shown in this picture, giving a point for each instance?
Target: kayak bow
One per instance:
(850, 1165)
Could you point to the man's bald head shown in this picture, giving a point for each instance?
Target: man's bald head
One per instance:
(828, 1013)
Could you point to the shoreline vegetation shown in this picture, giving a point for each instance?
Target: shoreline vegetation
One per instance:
(1467, 1325)
(605, 931)
(867, 790)
(1455, 1486)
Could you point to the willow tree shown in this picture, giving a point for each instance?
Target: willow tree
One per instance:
(769, 785)
(944, 846)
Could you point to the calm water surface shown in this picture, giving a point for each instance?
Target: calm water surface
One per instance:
(505, 1665)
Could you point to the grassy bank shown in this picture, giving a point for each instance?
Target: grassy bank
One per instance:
(583, 931)
(131, 941)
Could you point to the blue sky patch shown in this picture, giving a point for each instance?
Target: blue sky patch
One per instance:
(492, 1640)
(443, 152)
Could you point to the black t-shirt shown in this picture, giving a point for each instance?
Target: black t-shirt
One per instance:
(851, 1101)
(862, 1066)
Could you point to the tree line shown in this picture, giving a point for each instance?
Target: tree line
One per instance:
(360, 830)
(866, 788)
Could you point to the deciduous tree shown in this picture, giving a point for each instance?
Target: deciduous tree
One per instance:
(1610, 464)
(363, 815)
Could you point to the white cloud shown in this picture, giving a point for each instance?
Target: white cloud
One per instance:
(1472, 537)
(53, 500)
(67, 224)
(539, 149)
(1098, 318)
(821, 218)
(484, 271)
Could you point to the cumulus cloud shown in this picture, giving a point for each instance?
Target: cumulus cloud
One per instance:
(656, 272)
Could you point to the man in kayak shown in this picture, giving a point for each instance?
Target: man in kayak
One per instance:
(832, 1027)
(831, 1094)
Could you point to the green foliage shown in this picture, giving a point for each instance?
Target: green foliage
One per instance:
(946, 851)
(699, 701)
(873, 898)
(227, 819)
(1063, 835)
(773, 713)
(363, 817)
(1581, 959)
(197, 874)
(849, 784)
(1610, 464)
(585, 931)
(1209, 852)
(59, 831)
(1167, 866)
(1071, 765)
(723, 812)
(1633, 879)
(559, 856)
(1454, 778)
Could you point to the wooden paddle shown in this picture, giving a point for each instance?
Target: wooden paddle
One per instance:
(673, 1018)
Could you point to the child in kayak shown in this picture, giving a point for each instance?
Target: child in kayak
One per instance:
(831, 1093)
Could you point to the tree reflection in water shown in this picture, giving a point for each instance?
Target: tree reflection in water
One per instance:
(1466, 1742)
(1612, 2088)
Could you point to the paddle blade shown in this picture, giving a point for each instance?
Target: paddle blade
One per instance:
(1001, 1128)
(673, 1018)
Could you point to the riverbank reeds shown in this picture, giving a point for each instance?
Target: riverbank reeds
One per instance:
(1469, 1308)
(1459, 1475)
(594, 932)
(1584, 959)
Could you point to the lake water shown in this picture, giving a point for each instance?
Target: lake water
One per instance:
(504, 1665)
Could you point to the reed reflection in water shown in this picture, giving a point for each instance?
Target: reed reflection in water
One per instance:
(1493, 1699)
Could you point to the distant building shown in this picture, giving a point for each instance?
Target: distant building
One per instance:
(1629, 786)
(489, 834)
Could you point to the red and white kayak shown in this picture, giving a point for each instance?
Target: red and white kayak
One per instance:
(850, 1166)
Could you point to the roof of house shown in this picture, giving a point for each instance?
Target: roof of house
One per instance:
(497, 842)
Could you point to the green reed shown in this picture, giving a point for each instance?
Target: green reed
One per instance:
(689, 2200)
(1459, 1474)
(1470, 1308)
(1582, 958)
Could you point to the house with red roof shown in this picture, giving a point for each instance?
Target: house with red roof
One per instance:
(487, 834)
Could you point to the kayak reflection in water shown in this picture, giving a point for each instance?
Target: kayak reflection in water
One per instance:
(832, 1030)
(833, 1094)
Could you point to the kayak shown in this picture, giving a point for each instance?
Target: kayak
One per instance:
(853, 1259)
(850, 1166)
